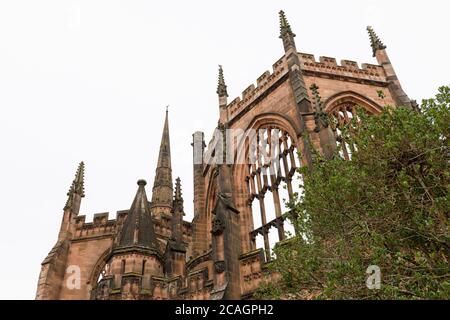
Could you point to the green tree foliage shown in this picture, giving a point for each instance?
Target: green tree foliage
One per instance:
(388, 206)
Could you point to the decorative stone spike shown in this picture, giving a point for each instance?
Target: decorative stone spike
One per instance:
(320, 117)
(285, 27)
(178, 195)
(221, 87)
(77, 186)
(375, 41)
(317, 99)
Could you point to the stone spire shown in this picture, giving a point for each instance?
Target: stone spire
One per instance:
(286, 34)
(177, 217)
(77, 187)
(178, 201)
(163, 187)
(221, 86)
(285, 27)
(294, 66)
(223, 94)
(375, 41)
(138, 229)
(395, 88)
(178, 197)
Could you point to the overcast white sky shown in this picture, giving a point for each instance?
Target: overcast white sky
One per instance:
(89, 80)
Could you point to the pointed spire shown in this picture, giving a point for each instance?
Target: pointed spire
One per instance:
(138, 229)
(221, 87)
(163, 187)
(78, 183)
(375, 41)
(164, 159)
(77, 186)
(178, 197)
(285, 27)
(177, 219)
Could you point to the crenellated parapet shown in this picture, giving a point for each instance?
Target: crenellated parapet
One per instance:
(252, 268)
(150, 252)
(328, 67)
(101, 226)
(252, 92)
(199, 285)
(325, 67)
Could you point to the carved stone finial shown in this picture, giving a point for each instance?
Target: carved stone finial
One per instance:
(178, 197)
(178, 189)
(320, 117)
(375, 41)
(77, 186)
(285, 27)
(221, 87)
(316, 96)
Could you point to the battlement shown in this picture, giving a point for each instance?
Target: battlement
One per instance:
(100, 219)
(252, 265)
(347, 68)
(102, 225)
(325, 67)
(252, 92)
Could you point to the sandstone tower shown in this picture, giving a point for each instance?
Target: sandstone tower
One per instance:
(150, 252)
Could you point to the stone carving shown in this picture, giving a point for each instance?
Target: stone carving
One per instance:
(219, 266)
(217, 226)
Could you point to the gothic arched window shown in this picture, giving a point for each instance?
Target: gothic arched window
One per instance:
(270, 183)
(343, 115)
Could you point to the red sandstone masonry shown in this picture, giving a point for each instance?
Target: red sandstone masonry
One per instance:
(280, 99)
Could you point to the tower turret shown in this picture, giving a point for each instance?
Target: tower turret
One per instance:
(138, 229)
(135, 258)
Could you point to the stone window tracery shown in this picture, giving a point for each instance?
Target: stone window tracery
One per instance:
(343, 115)
(271, 180)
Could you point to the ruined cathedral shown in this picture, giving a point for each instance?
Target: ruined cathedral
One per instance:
(151, 252)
